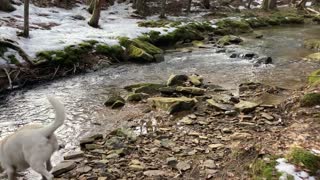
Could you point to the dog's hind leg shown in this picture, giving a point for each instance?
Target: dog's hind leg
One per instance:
(49, 165)
(11, 173)
(40, 168)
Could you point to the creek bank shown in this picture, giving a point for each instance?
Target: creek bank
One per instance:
(20, 70)
(206, 140)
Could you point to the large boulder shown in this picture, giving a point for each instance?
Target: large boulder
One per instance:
(172, 104)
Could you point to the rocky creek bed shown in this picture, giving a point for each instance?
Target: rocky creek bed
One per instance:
(193, 130)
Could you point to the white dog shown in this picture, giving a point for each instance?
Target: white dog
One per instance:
(32, 146)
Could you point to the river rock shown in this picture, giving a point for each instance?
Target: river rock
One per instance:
(246, 106)
(229, 39)
(172, 162)
(313, 57)
(186, 120)
(183, 166)
(177, 80)
(263, 60)
(191, 90)
(196, 80)
(172, 104)
(215, 146)
(113, 99)
(151, 173)
(209, 164)
(74, 155)
(312, 44)
(220, 106)
(63, 167)
(168, 90)
(137, 96)
(117, 104)
(84, 169)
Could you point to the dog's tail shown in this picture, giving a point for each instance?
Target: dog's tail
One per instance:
(59, 119)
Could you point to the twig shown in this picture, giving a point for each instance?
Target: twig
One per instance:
(55, 72)
(9, 78)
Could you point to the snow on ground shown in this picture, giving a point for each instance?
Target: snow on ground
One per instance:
(114, 22)
(289, 169)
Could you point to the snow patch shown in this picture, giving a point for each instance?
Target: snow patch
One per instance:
(56, 28)
(289, 169)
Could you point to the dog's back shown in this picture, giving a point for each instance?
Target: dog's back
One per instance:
(31, 142)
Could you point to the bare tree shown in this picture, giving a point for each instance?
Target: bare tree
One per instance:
(141, 7)
(26, 19)
(189, 6)
(249, 4)
(6, 6)
(269, 4)
(91, 6)
(206, 4)
(94, 21)
(163, 9)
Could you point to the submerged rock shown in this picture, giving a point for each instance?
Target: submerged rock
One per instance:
(139, 55)
(263, 60)
(229, 39)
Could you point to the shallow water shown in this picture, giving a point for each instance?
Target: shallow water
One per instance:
(84, 95)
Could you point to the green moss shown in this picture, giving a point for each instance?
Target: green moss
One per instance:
(310, 99)
(229, 39)
(93, 42)
(262, 169)
(314, 77)
(312, 44)
(138, 54)
(159, 23)
(142, 87)
(13, 59)
(3, 49)
(115, 51)
(302, 157)
(149, 48)
(257, 22)
(228, 26)
(124, 41)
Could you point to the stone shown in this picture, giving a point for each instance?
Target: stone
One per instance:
(84, 169)
(258, 35)
(63, 167)
(234, 55)
(92, 146)
(226, 130)
(87, 140)
(137, 96)
(220, 106)
(209, 164)
(246, 106)
(263, 60)
(198, 44)
(240, 136)
(139, 55)
(172, 162)
(112, 156)
(117, 104)
(267, 116)
(313, 57)
(78, 17)
(166, 143)
(136, 167)
(195, 80)
(229, 39)
(177, 80)
(74, 155)
(183, 166)
(112, 99)
(151, 173)
(191, 90)
(186, 120)
(215, 146)
(167, 104)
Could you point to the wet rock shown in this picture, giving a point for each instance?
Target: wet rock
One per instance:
(250, 56)
(63, 167)
(112, 99)
(240, 136)
(153, 86)
(78, 17)
(172, 162)
(167, 90)
(231, 113)
(73, 155)
(234, 55)
(152, 173)
(312, 44)
(159, 57)
(220, 106)
(87, 140)
(139, 55)
(137, 96)
(221, 50)
(267, 116)
(209, 164)
(177, 80)
(125, 132)
(183, 166)
(196, 80)
(258, 35)
(172, 105)
(191, 90)
(92, 146)
(263, 60)
(117, 104)
(229, 39)
(246, 106)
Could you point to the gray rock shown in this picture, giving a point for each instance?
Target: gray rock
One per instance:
(267, 116)
(240, 136)
(246, 106)
(172, 162)
(220, 106)
(151, 173)
(84, 169)
(63, 167)
(209, 164)
(183, 166)
(177, 80)
(73, 155)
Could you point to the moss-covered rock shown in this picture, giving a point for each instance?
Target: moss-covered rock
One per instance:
(172, 104)
(177, 80)
(113, 99)
(305, 158)
(159, 23)
(229, 26)
(196, 80)
(313, 57)
(148, 47)
(139, 55)
(310, 99)
(312, 44)
(137, 96)
(229, 39)
(114, 51)
(314, 77)
(148, 88)
(265, 169)
(191, 90)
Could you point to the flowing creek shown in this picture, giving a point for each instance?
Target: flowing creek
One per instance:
(84, 95)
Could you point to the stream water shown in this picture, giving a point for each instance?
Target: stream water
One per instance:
(84, 95)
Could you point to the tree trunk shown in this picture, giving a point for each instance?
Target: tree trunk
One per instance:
(316, 3)
(272, 4)
(292, 3)
(206, 4)
(265, 5)
(141, 7)
(163, 9)
(189, 6)
(302, 4)
(91, 6)
(6, 6)
(26, 19)
(249, 4)
(94, 21)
